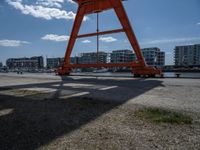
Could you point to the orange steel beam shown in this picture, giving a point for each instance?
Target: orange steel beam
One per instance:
(100, 65)
(121, 13)
(75, 30)
(92, 6)
(96, 6)
(100, 33)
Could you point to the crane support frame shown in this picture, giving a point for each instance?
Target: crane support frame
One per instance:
(85, 7)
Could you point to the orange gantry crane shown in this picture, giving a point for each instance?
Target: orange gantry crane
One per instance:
(85, 7)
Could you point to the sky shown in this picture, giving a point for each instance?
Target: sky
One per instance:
(42, 27)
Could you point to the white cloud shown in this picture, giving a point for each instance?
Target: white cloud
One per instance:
(86, 41)
(39, 11)
(71, 1)
(175, 40)
(56, 38)
(12, 43)
(198, 23)
(107, 39)
(50, 3)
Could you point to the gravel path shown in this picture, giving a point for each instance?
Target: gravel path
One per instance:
(102, 118)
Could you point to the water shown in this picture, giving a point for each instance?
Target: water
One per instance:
(125, 74)
(166, 74)
(183, 74)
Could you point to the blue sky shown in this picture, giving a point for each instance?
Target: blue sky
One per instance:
(42, 27)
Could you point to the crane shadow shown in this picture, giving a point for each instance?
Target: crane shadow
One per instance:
(31, 123)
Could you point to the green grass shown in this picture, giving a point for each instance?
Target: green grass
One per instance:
(163, 116)
(25, 92)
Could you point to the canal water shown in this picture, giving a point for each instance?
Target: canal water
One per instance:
(166, 74)
(183, 74)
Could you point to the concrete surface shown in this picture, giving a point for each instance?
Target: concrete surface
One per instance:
(42, 111)
(181, 94)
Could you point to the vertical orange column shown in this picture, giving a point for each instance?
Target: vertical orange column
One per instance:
(123, 18)
(74, 33)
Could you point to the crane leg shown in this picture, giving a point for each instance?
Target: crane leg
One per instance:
(65, 69)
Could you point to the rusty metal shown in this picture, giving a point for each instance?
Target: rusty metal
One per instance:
(96, 6)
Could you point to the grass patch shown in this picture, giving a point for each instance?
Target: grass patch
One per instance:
(163, 116)
(28, 93)
(25, 92)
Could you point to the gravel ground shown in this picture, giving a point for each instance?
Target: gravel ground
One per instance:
(102, 119)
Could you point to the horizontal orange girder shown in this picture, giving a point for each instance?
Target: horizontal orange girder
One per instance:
(101, 33)
(93, 6)
(100, 65)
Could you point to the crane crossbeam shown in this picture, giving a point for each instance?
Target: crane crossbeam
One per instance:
(101, 33)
